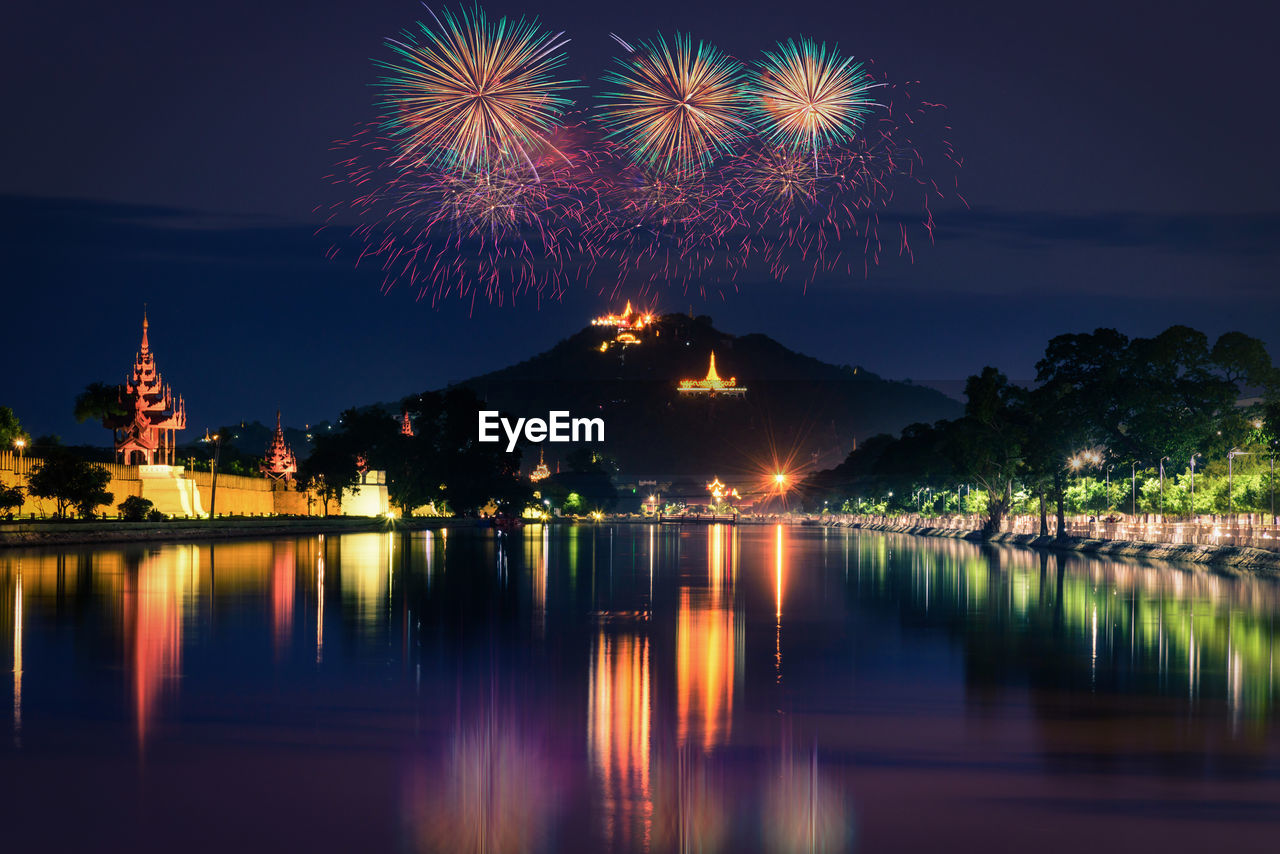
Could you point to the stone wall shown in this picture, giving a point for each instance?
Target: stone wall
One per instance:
(237, 495)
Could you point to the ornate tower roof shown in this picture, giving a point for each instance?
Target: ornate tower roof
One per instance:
(279, 462)
(540, 472)
(156, 413)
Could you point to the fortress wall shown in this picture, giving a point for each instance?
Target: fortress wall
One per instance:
(237, 495)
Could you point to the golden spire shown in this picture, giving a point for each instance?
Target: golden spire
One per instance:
(712, 376)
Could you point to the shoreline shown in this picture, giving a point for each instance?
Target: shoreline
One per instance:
(74, 533)
(1243, 558)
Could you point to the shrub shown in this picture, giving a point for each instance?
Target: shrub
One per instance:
(135, 508)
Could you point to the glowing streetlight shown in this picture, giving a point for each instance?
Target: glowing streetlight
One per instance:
(216, 439)
(21, 444)
(1162, 459)
(1231, 455)
(780, 479)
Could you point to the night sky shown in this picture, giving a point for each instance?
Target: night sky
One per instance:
(1120, 164)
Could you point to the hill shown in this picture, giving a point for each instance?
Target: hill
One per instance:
(798, 411)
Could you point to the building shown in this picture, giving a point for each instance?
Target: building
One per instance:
(628, 327)
(278, 462)
(712, 385)
(146, 433)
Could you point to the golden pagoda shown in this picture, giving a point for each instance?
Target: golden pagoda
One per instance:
(540, 472)
(626, 325)
(712, 384)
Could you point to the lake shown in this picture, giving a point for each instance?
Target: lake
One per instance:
(623, 688)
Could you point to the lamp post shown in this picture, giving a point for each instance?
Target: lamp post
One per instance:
(21, 444)
(1108, 486)
(1193, 483)
(1133, 506)
(1273, 491)
(1162, 459)
(1231, 455)
(216, 439)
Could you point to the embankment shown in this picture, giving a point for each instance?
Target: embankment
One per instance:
(25, 534)
(1230, 557)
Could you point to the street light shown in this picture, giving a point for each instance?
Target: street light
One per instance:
(1231, 455)
(1193, 483)
(1108, 487)
(20, 443)
(1133, 507)
(216, 439)
(1162, 459)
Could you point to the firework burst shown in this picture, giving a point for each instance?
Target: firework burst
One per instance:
(470, 93)
(806, 98)
(674, 107)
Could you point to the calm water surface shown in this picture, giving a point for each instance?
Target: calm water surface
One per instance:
(631, 688)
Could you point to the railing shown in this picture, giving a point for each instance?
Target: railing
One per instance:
(1253, 530)
(24, 464)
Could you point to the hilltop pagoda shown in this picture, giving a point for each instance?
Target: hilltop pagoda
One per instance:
(279, 463)
(146, 433)
(540, 471)
(712, 385)
(406, 426)
(627, 325)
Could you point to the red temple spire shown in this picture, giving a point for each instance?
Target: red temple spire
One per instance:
(279, 462)
(147, 434)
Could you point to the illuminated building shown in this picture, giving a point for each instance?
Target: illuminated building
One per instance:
(279, 463)
(540, 472)
(146, 433)
(628, 319)
(406, 426)
(627, 325)
(713, 385)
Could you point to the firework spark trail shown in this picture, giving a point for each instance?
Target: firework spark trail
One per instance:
(807, 98)
(672, 187)
(675, 107)
(470, 92)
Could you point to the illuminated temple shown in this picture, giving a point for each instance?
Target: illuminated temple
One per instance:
(713, 385)
(540, 471)
(627, 326)
(279, 463)
(146, 436)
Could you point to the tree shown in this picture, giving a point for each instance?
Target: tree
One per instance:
(329, 469)
(105, 404)
(986, 444)
(10, 430)
(71, 482)
(135, 508)
(11, 499)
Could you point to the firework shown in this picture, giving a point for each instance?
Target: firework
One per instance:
(495, 233)
(807, 98)
(470, 93)
(674, 107)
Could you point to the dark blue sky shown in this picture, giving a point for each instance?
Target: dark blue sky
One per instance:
(1120, 164)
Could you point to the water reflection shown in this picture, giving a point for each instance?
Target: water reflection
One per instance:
(618, 734)
(154, 596)
(708, 648)
(494, 793)
(625, 686)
